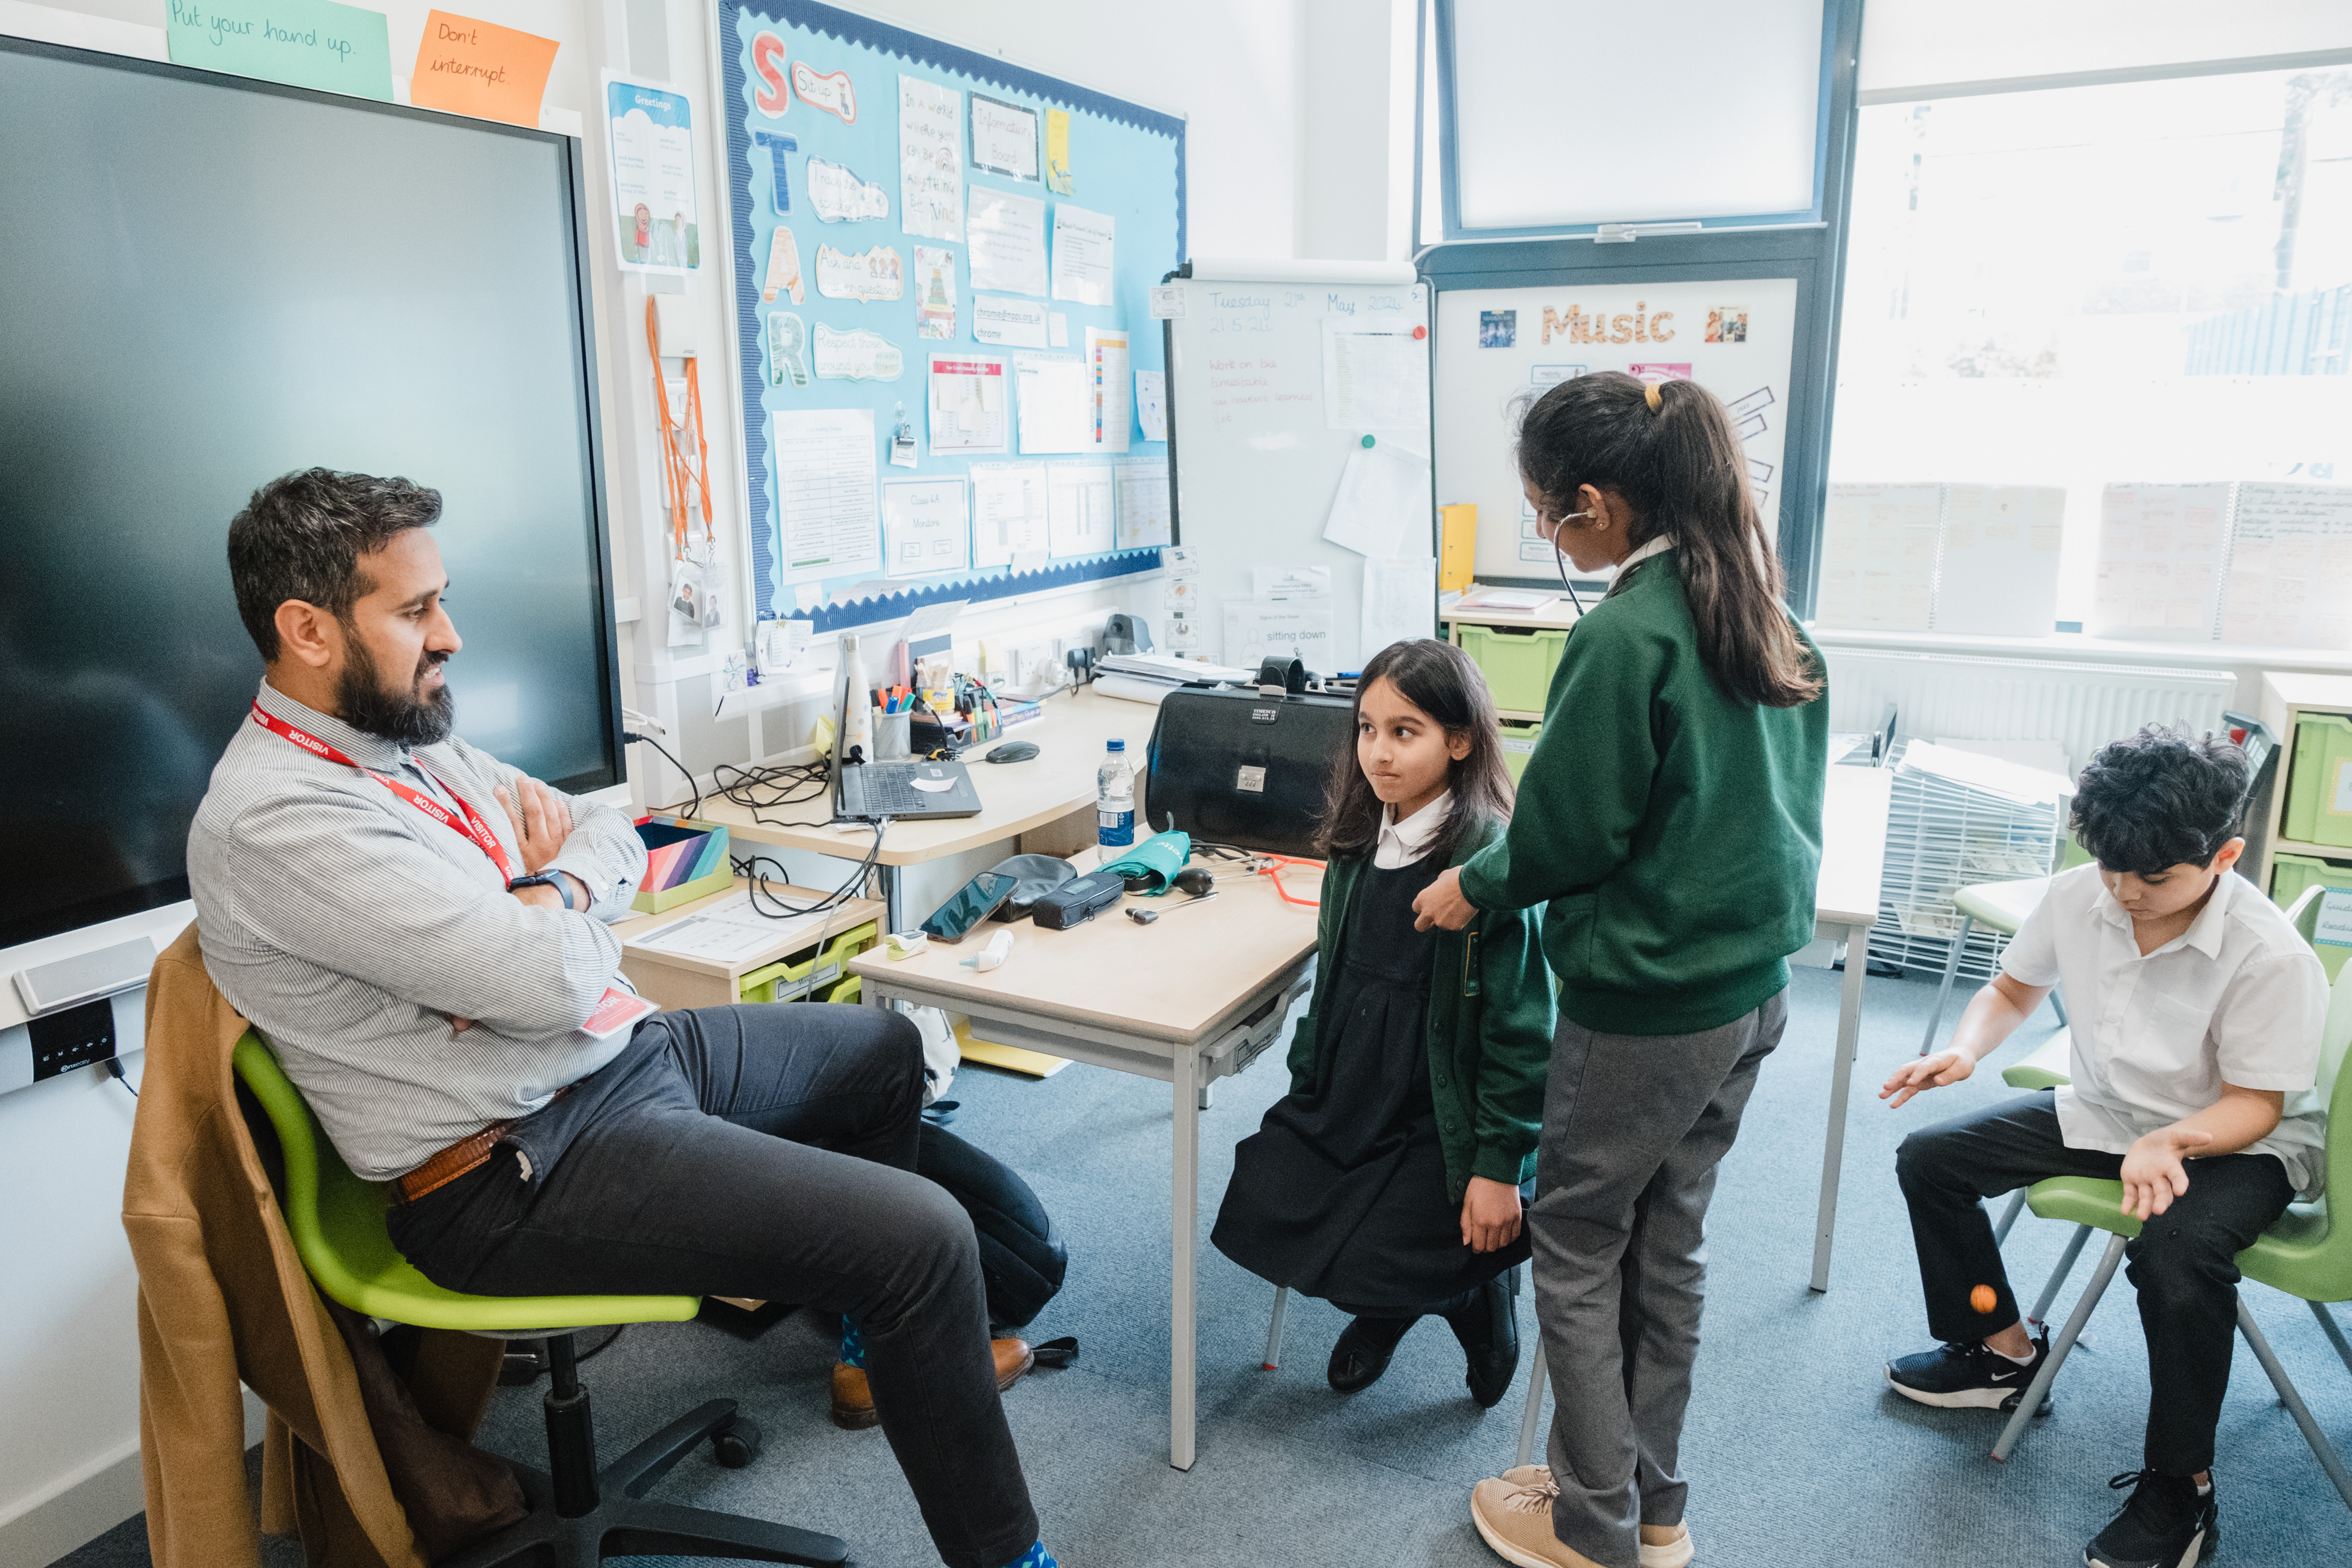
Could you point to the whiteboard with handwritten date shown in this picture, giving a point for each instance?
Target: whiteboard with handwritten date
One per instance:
(1299, 437)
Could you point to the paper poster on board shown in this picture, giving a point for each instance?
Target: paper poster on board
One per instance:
(651, 135)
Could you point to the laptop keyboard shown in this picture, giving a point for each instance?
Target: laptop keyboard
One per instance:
(888, 794)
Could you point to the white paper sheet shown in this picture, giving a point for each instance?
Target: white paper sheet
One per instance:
(1009, 322)
(727, 931)
(2290, 582)
(1004, 138)
(970, 395)
(1008, 512)
(1051, 398)
(930, 158)
(2161, 553)
(1879, 544)
(1108, 393)
(1997, 574)
(1260, 629)
(1374, 378)
(1289, 580)
(1400, 601)
(1382, 504)
(824, 474)
(1082, 255)
(1151, 403)
(1008, 241)
(1143, 504)
(1081, 518)
(1057, 330)
(926, 526)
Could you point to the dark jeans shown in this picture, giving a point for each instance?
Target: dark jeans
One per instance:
(766, 1151)
(2184, 1261)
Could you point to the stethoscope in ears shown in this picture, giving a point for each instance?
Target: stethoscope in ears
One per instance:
(1559, 559)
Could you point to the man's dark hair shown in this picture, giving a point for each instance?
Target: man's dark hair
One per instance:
(2159, 800)
(301, 537)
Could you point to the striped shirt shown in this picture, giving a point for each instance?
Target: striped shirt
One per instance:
(349, 928)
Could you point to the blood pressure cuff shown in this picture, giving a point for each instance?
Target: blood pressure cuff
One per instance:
(1231, 766)
(1034, 876)
(1150, 868)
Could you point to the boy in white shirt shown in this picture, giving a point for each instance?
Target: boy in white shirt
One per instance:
(2197, 1014)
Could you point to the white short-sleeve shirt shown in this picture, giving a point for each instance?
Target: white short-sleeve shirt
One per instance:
(2239, 997)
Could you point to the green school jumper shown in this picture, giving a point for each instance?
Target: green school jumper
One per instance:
(1675, 830)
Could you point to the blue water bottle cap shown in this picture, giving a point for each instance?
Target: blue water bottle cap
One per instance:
(1119, 745)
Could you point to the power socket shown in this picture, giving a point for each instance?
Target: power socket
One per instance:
(1032, 662)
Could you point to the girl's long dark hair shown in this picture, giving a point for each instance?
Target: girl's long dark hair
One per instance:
(1441, 680)
(1680, 467)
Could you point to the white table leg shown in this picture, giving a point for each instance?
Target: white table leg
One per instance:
(1849, 1044)
(1183, 1220)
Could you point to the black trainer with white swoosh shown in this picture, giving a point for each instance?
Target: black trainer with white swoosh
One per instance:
(1960, 1377)
(2167, 1524)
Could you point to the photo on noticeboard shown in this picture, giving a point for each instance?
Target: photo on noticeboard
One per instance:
(1727, 324)
(1498, 329)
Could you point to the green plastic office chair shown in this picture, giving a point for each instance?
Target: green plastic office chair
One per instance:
(579, 1515)
(2303, 1255)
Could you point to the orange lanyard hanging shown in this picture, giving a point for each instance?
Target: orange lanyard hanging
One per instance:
(674, 460)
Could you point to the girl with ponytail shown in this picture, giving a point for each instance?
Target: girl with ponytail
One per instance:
(1671, 818)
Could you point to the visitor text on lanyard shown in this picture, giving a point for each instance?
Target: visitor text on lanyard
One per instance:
(473, 827)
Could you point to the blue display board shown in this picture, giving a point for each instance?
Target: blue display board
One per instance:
(806, 82)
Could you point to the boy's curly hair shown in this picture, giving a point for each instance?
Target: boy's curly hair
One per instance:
(2159, 800)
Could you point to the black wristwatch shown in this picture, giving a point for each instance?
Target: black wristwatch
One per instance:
(545, 879)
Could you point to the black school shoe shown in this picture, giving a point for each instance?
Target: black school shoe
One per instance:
(1958, 1378)
(2165, 1525)
(1484, 1322)
(1363, 1351)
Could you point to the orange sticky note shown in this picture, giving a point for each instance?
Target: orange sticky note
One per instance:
(470, 67)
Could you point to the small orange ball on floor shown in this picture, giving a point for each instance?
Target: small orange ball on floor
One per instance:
(1983, 1299)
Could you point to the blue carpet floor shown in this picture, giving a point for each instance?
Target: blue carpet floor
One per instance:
(1795, 1451)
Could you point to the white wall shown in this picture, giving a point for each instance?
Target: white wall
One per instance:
(1914, 43)
(1243, 73)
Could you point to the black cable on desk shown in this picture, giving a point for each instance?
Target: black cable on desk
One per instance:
(630, 737)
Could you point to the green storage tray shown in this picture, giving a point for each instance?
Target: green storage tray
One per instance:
(790, 979)
(1518, 745)
(2319, 782)
(1518, 661)
(2290, 875)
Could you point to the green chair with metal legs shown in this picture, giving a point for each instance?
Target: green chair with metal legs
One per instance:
(580, 1515)
(1996, 906)
(2303, 1255)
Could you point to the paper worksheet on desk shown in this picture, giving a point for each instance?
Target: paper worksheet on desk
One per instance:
(1055, 404)
(1143, 519)
(2290, 579)
(1400, 602)
(969, 394)
(1375, 376)
(1080, 516)
(726, 932)
(1382, 504)
(1257, 629)
(2160, 554)
(926, 526)
(1010, 513)
(824, 475)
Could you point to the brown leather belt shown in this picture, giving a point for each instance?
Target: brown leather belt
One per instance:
(466, 1154)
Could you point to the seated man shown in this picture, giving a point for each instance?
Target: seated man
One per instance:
(2197, 1012)
(419, 932)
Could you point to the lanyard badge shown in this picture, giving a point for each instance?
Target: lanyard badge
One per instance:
(472, 828)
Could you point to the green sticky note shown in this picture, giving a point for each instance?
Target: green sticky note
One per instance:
(303, 43)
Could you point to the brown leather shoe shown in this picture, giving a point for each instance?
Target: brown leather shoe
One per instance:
(853, 1397)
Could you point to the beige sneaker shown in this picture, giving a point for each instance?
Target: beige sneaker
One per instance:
(1514, 1518)
(1535, 1479)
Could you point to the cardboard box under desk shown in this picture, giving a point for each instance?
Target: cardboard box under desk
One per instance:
(678, 981)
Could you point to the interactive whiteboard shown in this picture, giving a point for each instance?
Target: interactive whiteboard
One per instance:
(1298, 408)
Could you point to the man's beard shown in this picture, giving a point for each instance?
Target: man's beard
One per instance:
(403, 717)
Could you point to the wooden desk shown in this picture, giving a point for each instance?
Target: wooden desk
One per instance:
(1015, 797)
(1845, 906)
(1194, 997)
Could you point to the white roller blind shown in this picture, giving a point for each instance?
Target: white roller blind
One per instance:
(1920, 42)
(1583, 112)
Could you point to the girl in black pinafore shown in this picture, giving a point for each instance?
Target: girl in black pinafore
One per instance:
(1389, 1181)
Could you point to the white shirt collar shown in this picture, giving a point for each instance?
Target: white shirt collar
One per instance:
(2204, 932)
(1403, 843)
(1658, 545)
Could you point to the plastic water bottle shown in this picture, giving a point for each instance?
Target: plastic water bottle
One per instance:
(1115, 800)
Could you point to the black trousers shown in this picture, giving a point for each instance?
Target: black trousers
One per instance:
(766, 1151)
(2184, 1261)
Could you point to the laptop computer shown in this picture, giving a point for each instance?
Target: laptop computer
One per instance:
(909, 791)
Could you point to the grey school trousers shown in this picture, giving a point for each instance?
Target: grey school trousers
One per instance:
(1633, 1128)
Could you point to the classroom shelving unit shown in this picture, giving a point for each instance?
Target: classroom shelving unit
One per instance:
(2288, 697)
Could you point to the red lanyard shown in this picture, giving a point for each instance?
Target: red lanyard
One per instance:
(473, 827)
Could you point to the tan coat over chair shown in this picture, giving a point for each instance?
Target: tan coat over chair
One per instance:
(223, 1296)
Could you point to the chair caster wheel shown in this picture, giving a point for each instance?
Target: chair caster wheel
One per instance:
(738, 1445)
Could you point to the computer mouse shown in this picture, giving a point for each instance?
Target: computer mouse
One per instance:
(1012, 751)
(1196, 882)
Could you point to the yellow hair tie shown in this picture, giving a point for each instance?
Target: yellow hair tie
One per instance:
(1656, 401)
